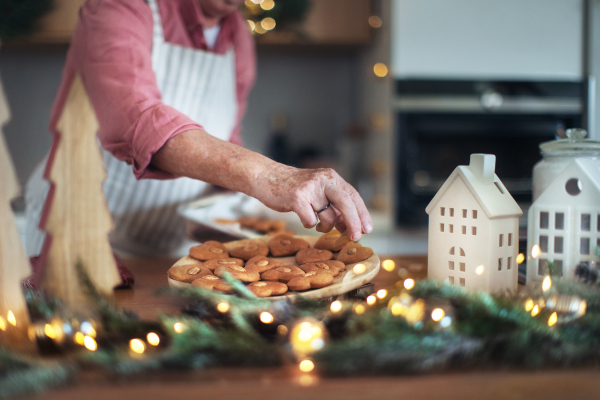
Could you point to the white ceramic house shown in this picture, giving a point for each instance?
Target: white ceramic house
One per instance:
(473, 229)
(564, 221)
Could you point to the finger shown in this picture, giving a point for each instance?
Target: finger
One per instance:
(361, 209)
(327, 220)
(340, 225)
(345, 205)
(307, 214)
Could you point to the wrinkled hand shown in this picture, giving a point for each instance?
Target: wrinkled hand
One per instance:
(305, 191)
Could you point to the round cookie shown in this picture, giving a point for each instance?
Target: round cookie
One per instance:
(212, 282)
(334, 263)
(261, 264)
(187, 273)
(238, 273)
(249, 250)
(320, 268)
(285, 245)
(283, 273)
(312, 280)
(354, 252)
(209, 250)
(214, 264)
(327, 242)
(311, 255)
(341, 241)
(266, 289)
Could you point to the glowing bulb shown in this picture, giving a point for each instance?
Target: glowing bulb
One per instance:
(535, 311)
(409, 284)
(49, 331)
(153, 339)
(251, 25)
(259, 29)
(397, 309)
(88, 329)
(223, 307)
(535, 251)
(437, 314)
(267, 5)
(306, 366)
(137, 346)
(375, 21)
(582, 308)
(546, 284)
(380, 69)
(266, 318)
(553, 318)
(381, 293)
(11, 318)
(445, 322)
(2, 324)
(257, 1)
(520, 258)
(304, 335)
(336, 306)
(359, 269)
(388, 265)
(317, 344)
(80, 338)
(90, 343)
(359, 309)
(268, 23)
(479, 270)
(529, 305)
(371, 300)
(282, 330)
(178, 327)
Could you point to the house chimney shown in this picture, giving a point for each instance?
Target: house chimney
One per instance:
(482, 166)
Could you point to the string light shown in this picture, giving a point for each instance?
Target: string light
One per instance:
(267, 5)
(437, 314)
(178, 327)
(371, 300)
(2, 324)
(88, 329)
(535, 311)
(359, 309)
(251, 25)
(529, 305)
(49, 331)
(79, 338)
(266, 318)
(306, 365)
(446, 321)
(388, 265)
(90, 343)
(137, 346)
(304, 335)
(223, 307)
(307, 336)
(380, 69)
(479, 270)
(256, 1)
(409, 284)
(535, 251)
(359, 269)
(11, 318)
(546, 284)
(553, 318)
(336, 306)
(268, 23)
(282, 330)
(382, 293)
(258, 28)
(375, 21)
(520, 258)
(153, 339)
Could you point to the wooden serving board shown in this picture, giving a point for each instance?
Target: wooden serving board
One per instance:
(343, 283)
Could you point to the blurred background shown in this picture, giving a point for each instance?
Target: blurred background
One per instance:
(393, 94)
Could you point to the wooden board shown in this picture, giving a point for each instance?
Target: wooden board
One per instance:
(343, 283)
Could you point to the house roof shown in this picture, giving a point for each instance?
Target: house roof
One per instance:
(484, 185)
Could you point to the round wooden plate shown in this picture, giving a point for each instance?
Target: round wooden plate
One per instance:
(343, 283)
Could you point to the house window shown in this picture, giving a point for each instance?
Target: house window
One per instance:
(559, 267)
(508, 262)
(598, 223)
(451, 228)
(464, 230)
(462, 282)
(544, 243)
(542, 266)
(558, 244)
(499, 264)
(451, 265)
(462, 267)
(442, 211)
(509, 239)
(452, 251)
(464, 213)
(474, 214)
(543, 220)
(584, 246)
(586, 221)
(474, 230)
(441, 227)
(559, 221)
(451, 280)
(452, 212)
(461, 251)
(500, 240)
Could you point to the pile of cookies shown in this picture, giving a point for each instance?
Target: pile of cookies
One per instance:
(266, 276)
(271, 227)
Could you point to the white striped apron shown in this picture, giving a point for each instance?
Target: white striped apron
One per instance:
(199, 84)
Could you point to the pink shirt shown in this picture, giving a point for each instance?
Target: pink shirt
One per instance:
(111, 49)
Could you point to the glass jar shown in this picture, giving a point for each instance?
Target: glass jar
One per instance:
(557, 154)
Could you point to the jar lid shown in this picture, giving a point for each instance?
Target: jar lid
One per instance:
(575, 144)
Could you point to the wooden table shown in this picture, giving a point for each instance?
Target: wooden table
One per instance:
(283, 383)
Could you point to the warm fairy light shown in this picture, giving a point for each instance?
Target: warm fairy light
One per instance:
(266, 318)
(259, 29)
(2, 324)
(282, 330)
(268, 23)
(317, 344)
(359, 309)
(382, 293)
(304, 335)
(359, 269)
(153, 339)
(397, 309)
(90, 343)
(256, 1)
(178, 327)
(520, 258)
(409, 284)
(11, 318)
(529, 305)
(380, 69)
(547, 283)
(79, 338)
(88, 329)
(375, 21)
(479, 270)
(553, 318)
(535, 251)
(582, 308)
(267, 5)
(336, 306)
(137, 346)
(306, 366)
(49, 331)
(535, 311)
(371, 300)
(223, 307)
(251, 25)
(307, 336)
(437, 314)
(446, 321)
(388, 265)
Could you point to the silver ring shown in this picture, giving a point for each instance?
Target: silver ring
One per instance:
(323, 209)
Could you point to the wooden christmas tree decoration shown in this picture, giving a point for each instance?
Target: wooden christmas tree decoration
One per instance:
(14, 264)
(78, 219)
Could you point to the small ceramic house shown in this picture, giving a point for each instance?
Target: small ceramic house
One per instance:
(564, 221)
(473, 229)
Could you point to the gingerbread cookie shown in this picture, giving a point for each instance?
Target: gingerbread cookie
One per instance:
(285, 245)
(213, 282)
(311, 255)
(261, 264)
(334, 263)
(187, 273)
(311, 280)
(320, 267)
(238, 273)
(354, 252)
(283, 273)
(327, 242)
(266, 289)
(209, 250)
(249, 250)
(248, 222)
(265, 226)
(341, 241)
(214, 264)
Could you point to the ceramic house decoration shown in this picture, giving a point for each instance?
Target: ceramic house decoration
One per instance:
(564, 222)
(473, 229)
